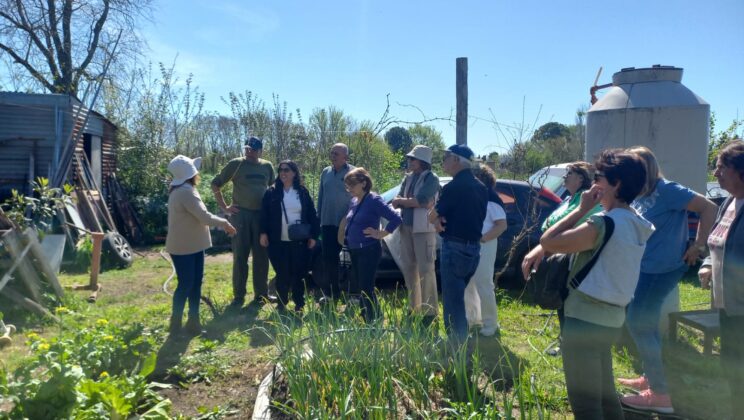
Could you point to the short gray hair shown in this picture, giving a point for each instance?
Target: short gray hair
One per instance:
(341, 146)
(464, 162)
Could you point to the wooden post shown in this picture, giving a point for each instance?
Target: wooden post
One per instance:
(461, 134)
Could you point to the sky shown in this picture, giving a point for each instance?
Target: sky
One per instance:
(529, 62)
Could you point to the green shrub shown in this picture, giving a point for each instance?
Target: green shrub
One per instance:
(98, 372)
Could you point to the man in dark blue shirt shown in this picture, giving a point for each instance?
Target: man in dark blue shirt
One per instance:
(458, 217)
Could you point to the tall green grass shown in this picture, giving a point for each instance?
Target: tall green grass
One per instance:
(335, 366)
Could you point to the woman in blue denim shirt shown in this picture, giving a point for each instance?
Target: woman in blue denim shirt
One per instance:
(665, 204)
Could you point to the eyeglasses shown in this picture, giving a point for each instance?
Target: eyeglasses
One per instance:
(598, 176)
(285, 169)
(446, 156)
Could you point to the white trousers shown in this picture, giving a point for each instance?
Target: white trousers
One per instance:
(480, 298)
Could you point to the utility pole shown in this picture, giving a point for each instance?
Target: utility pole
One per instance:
(461, 133)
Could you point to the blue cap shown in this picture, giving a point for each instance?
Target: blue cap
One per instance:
(254, 143)
(461, 150)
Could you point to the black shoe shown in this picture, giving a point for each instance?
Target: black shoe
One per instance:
(193, 327)
(553, 351)
(428, 320)
(174, 328)
(236, 304)
(271, 298)
(261, 300)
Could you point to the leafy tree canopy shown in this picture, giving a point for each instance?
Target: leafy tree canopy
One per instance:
(398, 139)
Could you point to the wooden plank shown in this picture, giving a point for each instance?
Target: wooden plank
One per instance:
(97, 188)
(27, 303)
(88, 210)
(16, 262)
(41, 261)
(28, 275)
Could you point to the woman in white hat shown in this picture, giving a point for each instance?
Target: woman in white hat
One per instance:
(188, 237)
(418, 238)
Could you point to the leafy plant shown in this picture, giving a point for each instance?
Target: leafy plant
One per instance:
(97, 373)
(37, 211)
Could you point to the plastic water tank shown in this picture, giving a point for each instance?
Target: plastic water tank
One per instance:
(652, 108)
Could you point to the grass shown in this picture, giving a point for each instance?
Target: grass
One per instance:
(335, 366)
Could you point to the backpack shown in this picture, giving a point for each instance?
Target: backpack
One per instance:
(549, 284)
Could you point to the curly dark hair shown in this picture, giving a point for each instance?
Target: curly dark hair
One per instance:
(618, 165)
(296, 182)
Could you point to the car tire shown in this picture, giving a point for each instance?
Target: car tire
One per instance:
(117, 253)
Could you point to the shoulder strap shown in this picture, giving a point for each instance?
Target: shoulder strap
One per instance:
(609, 229)
(236, 170)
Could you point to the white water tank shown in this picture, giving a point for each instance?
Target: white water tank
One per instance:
(652, 108)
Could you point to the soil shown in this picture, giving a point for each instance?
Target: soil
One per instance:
(234, 392)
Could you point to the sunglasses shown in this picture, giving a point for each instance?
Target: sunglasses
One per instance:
(285, 169)
(598, 176)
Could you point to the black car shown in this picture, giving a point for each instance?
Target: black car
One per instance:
(526, 207)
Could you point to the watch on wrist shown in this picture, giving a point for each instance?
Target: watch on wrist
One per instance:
(701, 248)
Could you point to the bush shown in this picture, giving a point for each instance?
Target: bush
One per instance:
(97, 373)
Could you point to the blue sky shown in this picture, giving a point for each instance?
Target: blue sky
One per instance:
(528, 60)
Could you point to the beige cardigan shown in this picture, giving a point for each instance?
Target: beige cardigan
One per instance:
(188, 222)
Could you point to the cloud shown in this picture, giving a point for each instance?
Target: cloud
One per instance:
(256, 23)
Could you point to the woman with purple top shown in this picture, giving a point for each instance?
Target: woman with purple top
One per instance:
(360, 232)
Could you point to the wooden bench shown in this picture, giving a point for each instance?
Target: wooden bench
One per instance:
(703, 320)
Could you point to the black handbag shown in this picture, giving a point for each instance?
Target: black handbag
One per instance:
(297, 231)
(549, 284)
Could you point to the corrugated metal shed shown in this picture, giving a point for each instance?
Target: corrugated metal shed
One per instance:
(34, 129)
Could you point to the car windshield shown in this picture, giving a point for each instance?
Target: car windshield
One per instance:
(550, 178)
(714, 190)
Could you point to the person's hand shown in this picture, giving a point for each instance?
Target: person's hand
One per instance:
(439, 223)
(264, 240)
(705, 274)
(591, 198)
(396, 202)
(531, 261)
(311, 243)
(229, 229)
(230, 210)
(371, 232)
(692, 254)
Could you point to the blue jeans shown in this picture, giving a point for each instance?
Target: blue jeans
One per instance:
(364, 266)
(457, 264)
(190, 273)
(587, 364)
(642, 320)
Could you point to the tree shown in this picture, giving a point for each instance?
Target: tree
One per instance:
(426, 135)
(61, 44)
(398, 139)
(550, 130)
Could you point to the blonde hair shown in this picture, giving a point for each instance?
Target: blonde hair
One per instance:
(653, 171)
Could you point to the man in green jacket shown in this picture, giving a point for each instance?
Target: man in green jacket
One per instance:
(250, 176)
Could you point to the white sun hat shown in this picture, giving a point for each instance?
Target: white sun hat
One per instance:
(421, 152)
(183, 168)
